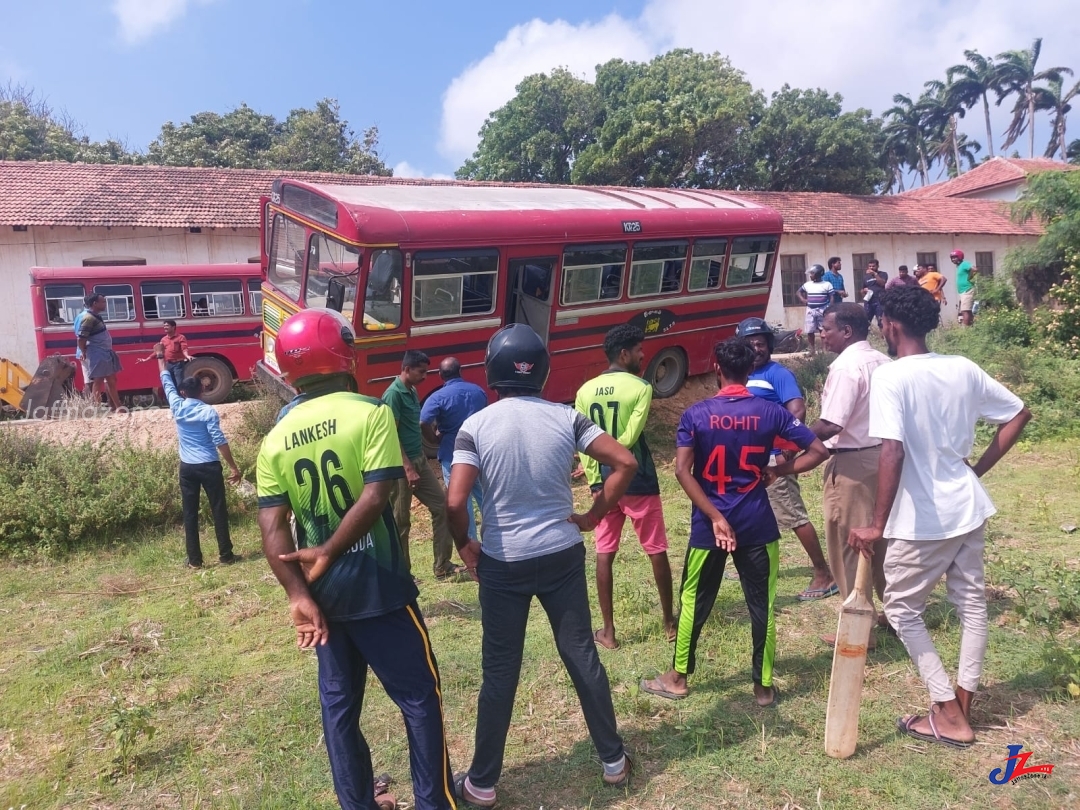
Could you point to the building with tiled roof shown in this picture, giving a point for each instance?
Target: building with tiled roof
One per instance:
(998, 178)
(64, 215)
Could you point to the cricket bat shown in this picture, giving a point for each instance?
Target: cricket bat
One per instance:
(849, 666)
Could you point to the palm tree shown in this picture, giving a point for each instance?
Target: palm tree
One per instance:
(973, 82)
(939, 107)
(1056, 99)
(1016, 74)
(904, 135)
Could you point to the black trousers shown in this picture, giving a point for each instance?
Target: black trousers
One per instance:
(506, 593)
(208, 477)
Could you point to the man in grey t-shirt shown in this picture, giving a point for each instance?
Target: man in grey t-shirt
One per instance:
(521, 449)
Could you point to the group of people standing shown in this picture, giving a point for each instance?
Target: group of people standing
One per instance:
(826, 286)
(895, 438)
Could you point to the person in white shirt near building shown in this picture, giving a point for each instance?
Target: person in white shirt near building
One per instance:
(851, 473)
(930, 503)
(816, 295)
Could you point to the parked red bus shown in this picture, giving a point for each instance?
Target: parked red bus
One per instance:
(439, 268)
(218, 307)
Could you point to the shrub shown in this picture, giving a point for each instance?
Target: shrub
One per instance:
(1061, 323)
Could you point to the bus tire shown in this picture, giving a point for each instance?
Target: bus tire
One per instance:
(217, 378)
(667, 373)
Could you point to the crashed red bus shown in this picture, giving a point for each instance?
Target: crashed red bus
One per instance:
(440, 268)
(218, 307)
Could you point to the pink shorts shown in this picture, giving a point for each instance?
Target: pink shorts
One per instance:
(647, 515)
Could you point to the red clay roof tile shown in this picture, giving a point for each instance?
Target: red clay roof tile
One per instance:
(997, 171)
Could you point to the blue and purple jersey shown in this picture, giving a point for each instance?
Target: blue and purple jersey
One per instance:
(732, 436)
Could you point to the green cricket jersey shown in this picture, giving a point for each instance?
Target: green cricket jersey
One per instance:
(618, 403)
(316, 461)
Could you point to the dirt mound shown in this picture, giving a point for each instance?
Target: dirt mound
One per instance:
(146, 427)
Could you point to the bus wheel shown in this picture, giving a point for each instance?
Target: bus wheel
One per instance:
(216, 378)
(667, 372)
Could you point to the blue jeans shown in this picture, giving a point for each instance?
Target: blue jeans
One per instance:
(476, 496)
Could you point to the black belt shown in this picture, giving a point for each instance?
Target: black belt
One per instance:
(834, 450)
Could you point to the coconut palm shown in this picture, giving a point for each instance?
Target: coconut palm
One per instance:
(939, 108)
(973, 82)
(1057, 99)
(905, 136)
(1017, 74)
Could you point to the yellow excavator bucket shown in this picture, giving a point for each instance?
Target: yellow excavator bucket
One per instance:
(13, 379)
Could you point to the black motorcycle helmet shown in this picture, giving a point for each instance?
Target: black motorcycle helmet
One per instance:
(517, 358)
(756, 326)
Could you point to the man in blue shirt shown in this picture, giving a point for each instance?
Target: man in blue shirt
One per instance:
(201, 439)
(834, 277)
(774, 382)
(722, 462)
(441, 418)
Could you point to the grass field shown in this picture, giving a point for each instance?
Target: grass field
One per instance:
(124, 634)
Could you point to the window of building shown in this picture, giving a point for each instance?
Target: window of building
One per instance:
(707, 264)
(860, 261)
(657, 268)
(382, 297)
(792, 277)
(216, 299)
(287, 252)
(63, 302)
(332, 261)
(592, 273)
(751, 260)
(449, 284)
(926, 258)
(255, 296)
(984, 263)
(114, 261)
(119, 301)
(162, 299)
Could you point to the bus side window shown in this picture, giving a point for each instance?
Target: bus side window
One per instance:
(287, 254)
(254, 286)
(217, 298)
(382, 296)
(119, 301)
(449, 284)
(657, 268)
(706, 264)
(63, 302)
(592, 273)
(162, 299)
(751, 260)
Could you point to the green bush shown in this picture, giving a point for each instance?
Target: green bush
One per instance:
(1061, 323)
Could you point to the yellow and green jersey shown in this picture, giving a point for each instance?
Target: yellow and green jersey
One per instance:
(316, 461)
(618, 403)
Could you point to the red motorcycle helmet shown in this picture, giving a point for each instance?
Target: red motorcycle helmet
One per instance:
(957, 254)
(313, 343)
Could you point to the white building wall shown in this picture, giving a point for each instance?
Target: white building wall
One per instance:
(891, 250)
(68, 247)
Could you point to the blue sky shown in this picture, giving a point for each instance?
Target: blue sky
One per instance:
(427, 72)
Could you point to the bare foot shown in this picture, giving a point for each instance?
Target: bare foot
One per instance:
(672, 631)
(606, 639)
(764, 695)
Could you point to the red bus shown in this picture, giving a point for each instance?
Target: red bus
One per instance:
(218, 307)
(439, 268)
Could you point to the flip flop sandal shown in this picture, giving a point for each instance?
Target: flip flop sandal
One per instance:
(904, 727)
(599, 643)
(813, 594)
(659, 691)
(775, 698)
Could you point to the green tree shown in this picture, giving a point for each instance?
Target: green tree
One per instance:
(239, 139)
(806, 142)
(1017, 75)
(1059, 101)
(973, 82)
(1073, 152)
(31, 130)
(319, 140)
(940, 106)
(1053, 199)
(538, 134)
(905, 136)
(683, 119)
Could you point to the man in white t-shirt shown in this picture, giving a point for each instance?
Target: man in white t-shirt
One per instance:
(816, 294)
(930, 504)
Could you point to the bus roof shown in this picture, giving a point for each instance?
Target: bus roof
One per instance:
(138, 272)
(441, 214)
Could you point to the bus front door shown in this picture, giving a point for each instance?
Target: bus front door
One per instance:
(529, 300)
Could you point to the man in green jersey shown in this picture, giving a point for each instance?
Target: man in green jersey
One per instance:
(330, 461)
(618, 403)
(965, 287)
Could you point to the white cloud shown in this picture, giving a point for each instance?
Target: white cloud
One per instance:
(866, 50)
(535, 47)
(406, 169)
(141, 19)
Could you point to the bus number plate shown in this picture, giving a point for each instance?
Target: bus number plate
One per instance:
(631, 227)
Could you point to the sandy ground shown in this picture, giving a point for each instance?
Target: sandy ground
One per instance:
(149, 427)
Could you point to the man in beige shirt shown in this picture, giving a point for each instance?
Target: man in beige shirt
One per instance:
(851, 473)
